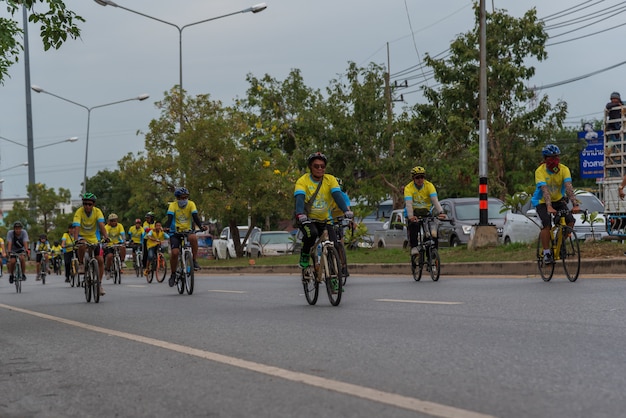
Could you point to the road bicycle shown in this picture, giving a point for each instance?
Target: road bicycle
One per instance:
(56, 264)
(91, 280)
(115, 270)
(74, 274)
(340, 225)
(184, 270)
(564, 246)
(43, 266)
(325, 267)
(428, 255)
(158, 266)
(18, 274)
(138, 260)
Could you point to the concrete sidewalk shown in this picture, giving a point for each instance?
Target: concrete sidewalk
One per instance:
(611, 266)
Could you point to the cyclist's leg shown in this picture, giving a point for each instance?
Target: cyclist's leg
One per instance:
(175, 250)
(193, 241)
(309, 236)
(544, 234)
(413, 228)
(67, 259)
(38, 259)
(23, 265)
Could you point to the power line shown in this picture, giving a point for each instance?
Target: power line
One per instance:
(581, 77)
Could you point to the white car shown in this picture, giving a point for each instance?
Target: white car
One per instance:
(224, 246)
(270, 243)
(525, 228)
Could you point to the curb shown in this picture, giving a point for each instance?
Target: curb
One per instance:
(611, 266)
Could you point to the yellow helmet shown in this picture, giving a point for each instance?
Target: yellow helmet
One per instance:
(417, 171)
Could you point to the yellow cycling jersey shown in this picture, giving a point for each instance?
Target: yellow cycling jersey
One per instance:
(182, 218)
(57, 250)
(554, 181)
(135, 234)
(88, 224)
(159, 236)
(116, 234)
(67, 241)
(42, 246)
(320, 209)
(421, 197)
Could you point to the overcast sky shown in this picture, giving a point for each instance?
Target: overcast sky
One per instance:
(121, 55)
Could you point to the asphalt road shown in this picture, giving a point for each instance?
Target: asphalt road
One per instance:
(249, 345)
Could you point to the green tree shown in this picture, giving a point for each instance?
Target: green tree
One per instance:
(57, 23)
(45, 216)
(519, 121)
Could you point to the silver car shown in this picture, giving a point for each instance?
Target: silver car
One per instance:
(463, 214)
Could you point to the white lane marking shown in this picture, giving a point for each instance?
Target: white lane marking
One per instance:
(428, 302)
(399, 401)
(135, 285)
(227, 291)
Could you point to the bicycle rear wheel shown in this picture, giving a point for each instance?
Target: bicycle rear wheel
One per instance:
(311, 285)
(434, 262)
(151, 270)
(189, 272)
(570, 254)
(545, 270)
(161, 268)
(332, 276)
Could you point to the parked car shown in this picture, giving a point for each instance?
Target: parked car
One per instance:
(463, 214)
(224, 246)
(525, 225)
(270, 243)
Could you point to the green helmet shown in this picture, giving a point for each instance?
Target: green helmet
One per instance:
(89, 196)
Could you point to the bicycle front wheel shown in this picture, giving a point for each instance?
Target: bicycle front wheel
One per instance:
(87, 279)
(161, 268)
(311, 285)
(117, 270)
(189, 272)
(17, 278)
(332, 275)
(546, 270)
(570, 254)
(95, 282)
(180, 274)
(434, 262)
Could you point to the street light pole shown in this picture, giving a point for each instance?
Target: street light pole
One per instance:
(15, 166)
(88, 109)
(254, 9)
(72, 139)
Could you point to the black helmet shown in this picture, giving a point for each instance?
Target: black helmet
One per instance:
(615, 95)
(316, 156)
(17, 223)
(43, 236)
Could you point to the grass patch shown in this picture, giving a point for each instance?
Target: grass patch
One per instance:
(512, 252)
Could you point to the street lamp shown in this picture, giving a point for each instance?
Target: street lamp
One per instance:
(15, 166)
(254, 9)
(88, 109)
(72, 139)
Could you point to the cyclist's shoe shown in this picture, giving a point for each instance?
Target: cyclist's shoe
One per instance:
(11, 279)
(172, 280)
(415, 251)
(548, 259)
(67, 280)
(38, 277)
(23, 277)
(196, 266)
(304, 260)
(334, 285)
(102, 292)
(146, 272)
(344, 272)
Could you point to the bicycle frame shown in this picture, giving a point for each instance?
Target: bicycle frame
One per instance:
(564, 247)
(325, 268)
(184, 269)
(428, 230)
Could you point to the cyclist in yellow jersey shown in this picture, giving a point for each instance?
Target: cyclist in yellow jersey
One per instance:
(57, 255)
(155, 237)
(148, 224)
(554, 182)
(42, 246)
(181, 215)
(67, 244)
(89, 223)
(135, 237)
(420, 196)
(116, 234)
(313, 223)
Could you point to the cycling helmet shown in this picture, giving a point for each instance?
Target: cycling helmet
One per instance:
(150, 214)
(418, 170)
(615, 95)
(550, 150)
(17, 223)
(43, 236)
(56, 243)
(89, 196)
(316, 156)
(137, 221)
(339, 181)
(181, 191)
(113, 217)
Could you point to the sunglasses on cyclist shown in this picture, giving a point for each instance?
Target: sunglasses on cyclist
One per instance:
(318, 165)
